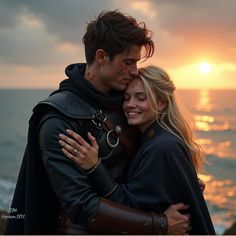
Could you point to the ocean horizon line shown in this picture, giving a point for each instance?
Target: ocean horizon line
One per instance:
(193, 89)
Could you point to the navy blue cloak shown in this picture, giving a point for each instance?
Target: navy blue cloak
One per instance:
(161, 174)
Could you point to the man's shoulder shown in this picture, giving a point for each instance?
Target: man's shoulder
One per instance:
(68, 104)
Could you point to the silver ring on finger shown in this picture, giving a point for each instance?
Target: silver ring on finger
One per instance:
(76, 151)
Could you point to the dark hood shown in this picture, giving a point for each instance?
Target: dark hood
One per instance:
(77, 84)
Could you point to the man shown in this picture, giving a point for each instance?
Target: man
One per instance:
(53, 194)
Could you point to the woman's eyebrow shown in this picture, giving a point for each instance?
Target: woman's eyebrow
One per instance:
(137, 93)
(140, 93)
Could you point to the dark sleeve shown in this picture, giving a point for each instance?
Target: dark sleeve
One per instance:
(69, 182)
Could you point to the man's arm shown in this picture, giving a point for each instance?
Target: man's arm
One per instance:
(81, 203)
(120, 219)
(69, 183)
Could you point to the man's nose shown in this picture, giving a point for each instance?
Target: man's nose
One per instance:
(134, 71)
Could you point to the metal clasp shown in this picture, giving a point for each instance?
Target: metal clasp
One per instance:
(98, 119)
(117, 131)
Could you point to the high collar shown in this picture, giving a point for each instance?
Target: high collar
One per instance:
(151, 131)
(77, 84)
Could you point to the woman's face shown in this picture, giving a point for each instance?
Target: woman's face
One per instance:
(138, 110)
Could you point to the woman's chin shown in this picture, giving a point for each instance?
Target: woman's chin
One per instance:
(133, 122)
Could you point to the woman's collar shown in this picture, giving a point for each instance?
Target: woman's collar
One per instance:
(150, 131)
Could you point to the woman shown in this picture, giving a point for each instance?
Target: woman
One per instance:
(164, 169)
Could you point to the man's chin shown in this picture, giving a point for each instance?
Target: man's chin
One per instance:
(121, 88)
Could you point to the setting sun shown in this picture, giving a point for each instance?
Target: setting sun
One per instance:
(204, 67)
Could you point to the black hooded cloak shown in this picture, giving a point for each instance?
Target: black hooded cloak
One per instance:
(36, 208)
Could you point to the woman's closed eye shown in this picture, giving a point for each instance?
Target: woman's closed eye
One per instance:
(138, 96)
(142, 97)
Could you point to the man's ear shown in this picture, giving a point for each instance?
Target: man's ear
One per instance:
(100, 56)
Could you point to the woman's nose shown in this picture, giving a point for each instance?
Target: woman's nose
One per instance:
(130, 103)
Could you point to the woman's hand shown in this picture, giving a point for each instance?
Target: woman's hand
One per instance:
(85, 155)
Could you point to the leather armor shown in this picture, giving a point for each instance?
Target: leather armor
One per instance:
(81, 206)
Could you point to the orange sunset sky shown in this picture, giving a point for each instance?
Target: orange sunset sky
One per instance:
(195, 39)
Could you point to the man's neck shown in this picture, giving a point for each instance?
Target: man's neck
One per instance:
(92, 75)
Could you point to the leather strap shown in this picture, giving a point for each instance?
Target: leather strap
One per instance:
(129, 146)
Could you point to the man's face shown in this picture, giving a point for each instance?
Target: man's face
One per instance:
(116, 74)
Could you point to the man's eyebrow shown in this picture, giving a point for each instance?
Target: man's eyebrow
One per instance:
(131, 59)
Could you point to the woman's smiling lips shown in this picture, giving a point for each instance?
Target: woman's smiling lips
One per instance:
(131, 114)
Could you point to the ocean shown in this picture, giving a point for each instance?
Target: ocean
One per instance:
(214, 115)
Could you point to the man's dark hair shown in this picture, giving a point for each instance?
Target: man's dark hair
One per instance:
(115, 32)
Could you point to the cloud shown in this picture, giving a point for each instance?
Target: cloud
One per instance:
(200, 27)
(179, 26)
(32, 31)
(39, 33)
(182, 16)
(7, 15)
(66, 19)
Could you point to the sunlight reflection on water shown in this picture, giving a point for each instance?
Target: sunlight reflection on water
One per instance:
(204, 103)
(221, 196)
(220, 149)
(209, 123)
(214, 119)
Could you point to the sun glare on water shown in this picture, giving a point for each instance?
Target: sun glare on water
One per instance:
(204, 68)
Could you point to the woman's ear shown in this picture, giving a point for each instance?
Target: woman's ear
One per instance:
(162, 105)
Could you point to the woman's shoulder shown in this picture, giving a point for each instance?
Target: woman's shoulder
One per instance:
(164, 144)
(165, 139)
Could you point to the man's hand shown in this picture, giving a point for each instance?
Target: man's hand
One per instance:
(177, 222)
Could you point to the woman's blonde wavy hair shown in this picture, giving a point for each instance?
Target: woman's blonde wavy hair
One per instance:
(159, 87)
